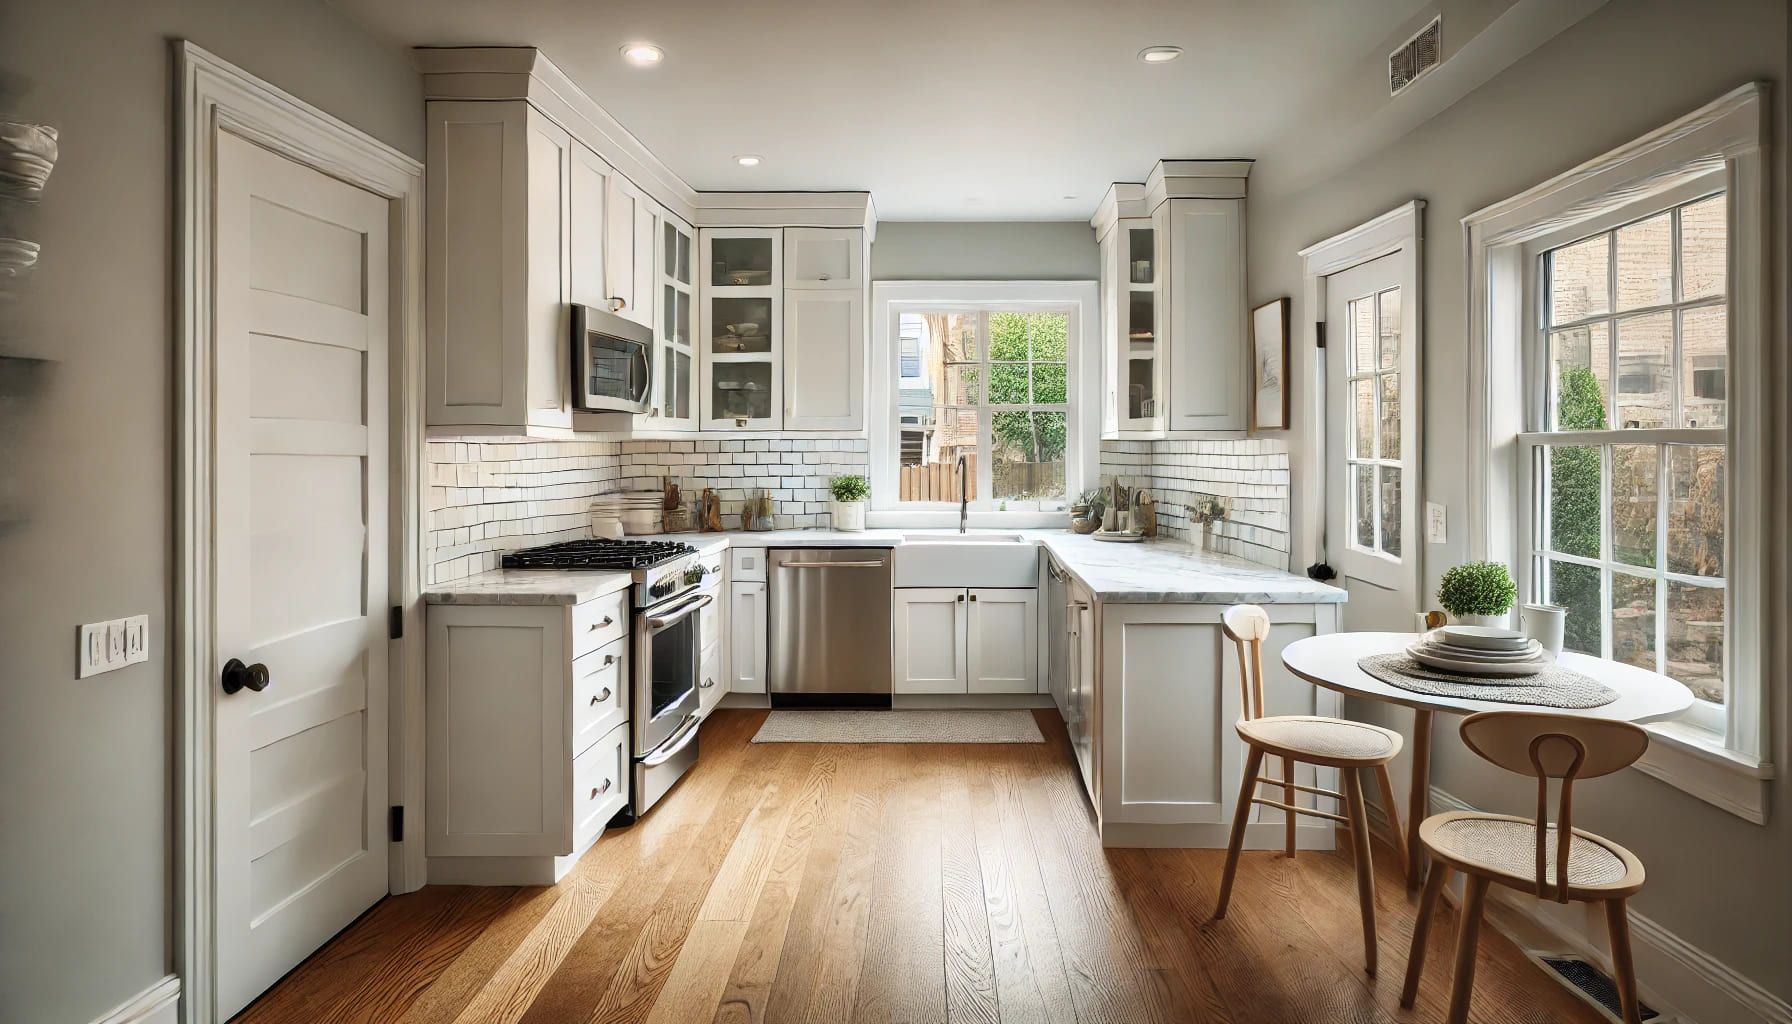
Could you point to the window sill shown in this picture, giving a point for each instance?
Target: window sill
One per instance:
(1695, 761)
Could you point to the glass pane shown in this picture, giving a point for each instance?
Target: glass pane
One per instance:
(684, 258)
(1633, 503)
(1362, 335)
(1140, 381)
(1051, 383)
(683, 335)
(959, 384)
(1646, 370)
(1390, 329)
(932, 439)
(1390, 510)
(1576, 588)
(1646, 263)
(1142, 245)
(1390, 415)
(1704, 248)
(1704, 367)
(1696, 639)
(740, 325)
(1051, 336)
(1008, 384)
(1574, 483)
(1026, 455)
(678, 401)
(1141, 324)
(669, 314)
(1578, 280)
(740, 262)
(1633, 620)
(1582, 358)
(1363, 424)
(1696, 509)
(1363, 500)
(670, 244)
(742, 390)
(940, 337)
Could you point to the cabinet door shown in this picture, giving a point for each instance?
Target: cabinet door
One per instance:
(741, 329)
(746, 638)
(1083, 689)
(1002, 652)
(624, 206)
(824, 360)
(928, 634)
(647, 225)
(824, 258)
(1207, 306)
(547, 281)
(589, 188)
(675, 394)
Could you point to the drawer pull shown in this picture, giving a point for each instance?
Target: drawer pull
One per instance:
(597, 791)
(599, 698)
(609, 659)
(595, 626)
(707, 683)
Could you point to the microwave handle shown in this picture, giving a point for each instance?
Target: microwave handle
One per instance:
(643, 384)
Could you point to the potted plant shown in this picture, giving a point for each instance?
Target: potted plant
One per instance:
(848, 508)
(1477, 593)
(1210, 509)
(1086, 510)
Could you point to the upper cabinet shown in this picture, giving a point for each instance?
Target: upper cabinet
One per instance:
(742, 328)
(1173, 301)
(675, 401)
(824, 258)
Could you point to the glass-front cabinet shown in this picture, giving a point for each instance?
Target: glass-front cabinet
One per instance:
(741, 328)
(674, 396)
(1135, 343)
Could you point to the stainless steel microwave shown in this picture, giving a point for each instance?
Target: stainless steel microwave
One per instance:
(612, 362)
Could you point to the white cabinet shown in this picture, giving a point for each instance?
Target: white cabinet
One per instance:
(1080, 686)
(958, 640)
(588, 186)
(824, 359)
(628, 250)
(1207, 309)
(928, 629)
(824, 258)
(1132, 327)
(746, 638)
(675, 391)
(741, 328)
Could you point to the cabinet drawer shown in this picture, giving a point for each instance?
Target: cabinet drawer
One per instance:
(710, 685)
(748, 565)
(709, 621)
(598, 622)
(599, 693)
(599, 785)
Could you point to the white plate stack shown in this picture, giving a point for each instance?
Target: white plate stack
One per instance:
(1484, 651)
(638, 511)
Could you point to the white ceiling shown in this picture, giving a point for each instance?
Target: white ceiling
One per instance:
(942, 109)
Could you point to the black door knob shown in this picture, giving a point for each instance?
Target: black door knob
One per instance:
(238, 676)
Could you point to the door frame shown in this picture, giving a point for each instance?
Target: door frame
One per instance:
(1400, 232)
(216, 96)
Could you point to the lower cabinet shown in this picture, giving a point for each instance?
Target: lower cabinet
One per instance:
(746, 638)
(965, 640)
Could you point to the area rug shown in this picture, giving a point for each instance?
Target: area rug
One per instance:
(887, 726)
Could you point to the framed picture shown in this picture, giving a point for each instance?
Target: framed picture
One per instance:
(1269, 363)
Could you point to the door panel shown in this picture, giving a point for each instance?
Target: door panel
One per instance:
(928, 635)
(824, 360)
(300, 520)
(1003, 645)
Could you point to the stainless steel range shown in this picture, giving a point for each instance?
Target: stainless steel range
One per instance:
(672, 590)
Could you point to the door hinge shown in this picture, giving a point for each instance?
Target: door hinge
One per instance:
(395, 627)
(1319, 333)
(395, 824)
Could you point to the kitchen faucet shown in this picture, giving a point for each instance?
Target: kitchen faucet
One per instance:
(964, 495)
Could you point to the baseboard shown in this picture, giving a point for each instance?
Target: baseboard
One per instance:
(157, 1004)
(1672, 973)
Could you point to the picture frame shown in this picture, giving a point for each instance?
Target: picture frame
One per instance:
(1270, 398)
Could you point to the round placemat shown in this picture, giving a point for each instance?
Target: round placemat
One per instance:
(1554, 687)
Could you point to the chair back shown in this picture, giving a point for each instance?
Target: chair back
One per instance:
(1547, 746)
(1247, 625)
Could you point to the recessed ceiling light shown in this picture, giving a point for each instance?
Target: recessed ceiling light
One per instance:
(644, 55)
(1069, 197)
(747, 160)
(1160, 54)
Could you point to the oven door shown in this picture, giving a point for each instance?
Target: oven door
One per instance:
(668, 640)
(612, 362)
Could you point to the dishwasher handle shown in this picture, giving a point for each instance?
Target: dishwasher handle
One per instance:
(879, 564)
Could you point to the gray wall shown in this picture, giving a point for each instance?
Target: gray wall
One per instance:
(86, 820)
(1714, 879)
(1060, 250)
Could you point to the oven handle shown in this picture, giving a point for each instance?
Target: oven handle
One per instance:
(677, 614)
(674, 743)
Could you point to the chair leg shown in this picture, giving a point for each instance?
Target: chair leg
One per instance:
(1462, 986)
(1365, 868)
(1421, 933)
(1395, 835)
(1252, 765)
(1288, 798)
(1617, 921)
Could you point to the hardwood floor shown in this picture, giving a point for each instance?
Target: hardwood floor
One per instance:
(838, 883)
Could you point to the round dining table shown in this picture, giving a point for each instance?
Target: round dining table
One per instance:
(1330, 661)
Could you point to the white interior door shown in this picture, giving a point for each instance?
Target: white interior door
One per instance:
(1372, 446)
(300, 525)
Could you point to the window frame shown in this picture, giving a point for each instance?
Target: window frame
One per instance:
(1724, 140)
(891, 299)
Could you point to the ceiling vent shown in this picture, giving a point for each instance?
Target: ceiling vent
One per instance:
(1415, 57)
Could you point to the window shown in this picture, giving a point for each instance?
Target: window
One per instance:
(911, 357)
(1372, 451)
(1631, 478)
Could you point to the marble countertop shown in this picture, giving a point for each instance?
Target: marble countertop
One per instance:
(1152, 572)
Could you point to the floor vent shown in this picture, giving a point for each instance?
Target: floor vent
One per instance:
(1415, 57)
(1593, 985)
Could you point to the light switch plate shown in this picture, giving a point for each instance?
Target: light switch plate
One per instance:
(115, 643)
(1434, 523)
(90, 658)
(136, 639)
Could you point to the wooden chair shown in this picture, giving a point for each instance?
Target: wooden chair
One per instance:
(1555, 861)
(1328, 742)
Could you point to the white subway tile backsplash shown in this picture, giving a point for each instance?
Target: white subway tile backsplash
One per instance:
(1252, 473)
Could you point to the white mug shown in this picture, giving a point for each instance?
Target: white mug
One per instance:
(1545, 624)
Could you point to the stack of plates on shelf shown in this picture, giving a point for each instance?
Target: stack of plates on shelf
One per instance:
(1483, 651)
(639, 511)
(27, 155)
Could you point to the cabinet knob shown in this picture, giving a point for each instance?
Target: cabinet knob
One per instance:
(618, 303)
(707, 683)
(825, 277)
(961, 599)
(609, 659)
(973, 597)
(238, 676)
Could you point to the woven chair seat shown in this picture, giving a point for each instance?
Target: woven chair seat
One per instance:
(1329, 738)
(1508, 847)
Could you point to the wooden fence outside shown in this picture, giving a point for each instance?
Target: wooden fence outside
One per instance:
(937, 481)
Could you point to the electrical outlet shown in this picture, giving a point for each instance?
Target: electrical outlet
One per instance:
(1434, 523)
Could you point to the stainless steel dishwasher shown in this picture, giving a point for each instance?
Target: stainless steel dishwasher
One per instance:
(829, 626)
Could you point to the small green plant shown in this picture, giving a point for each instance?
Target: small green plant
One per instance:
(1211, 508)
(1477, 588)
(1096, 498)
(850, 488)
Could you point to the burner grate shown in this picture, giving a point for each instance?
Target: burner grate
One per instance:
(597, 554)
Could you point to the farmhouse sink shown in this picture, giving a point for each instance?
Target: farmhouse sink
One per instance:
(964, 560)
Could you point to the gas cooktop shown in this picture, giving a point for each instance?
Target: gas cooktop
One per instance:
(608, 555)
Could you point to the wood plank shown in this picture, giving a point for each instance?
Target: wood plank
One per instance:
(1031, 981)
(904, 952)
(970, 961)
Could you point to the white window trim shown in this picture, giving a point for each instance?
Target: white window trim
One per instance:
(1082, 459)
(1724, 142)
